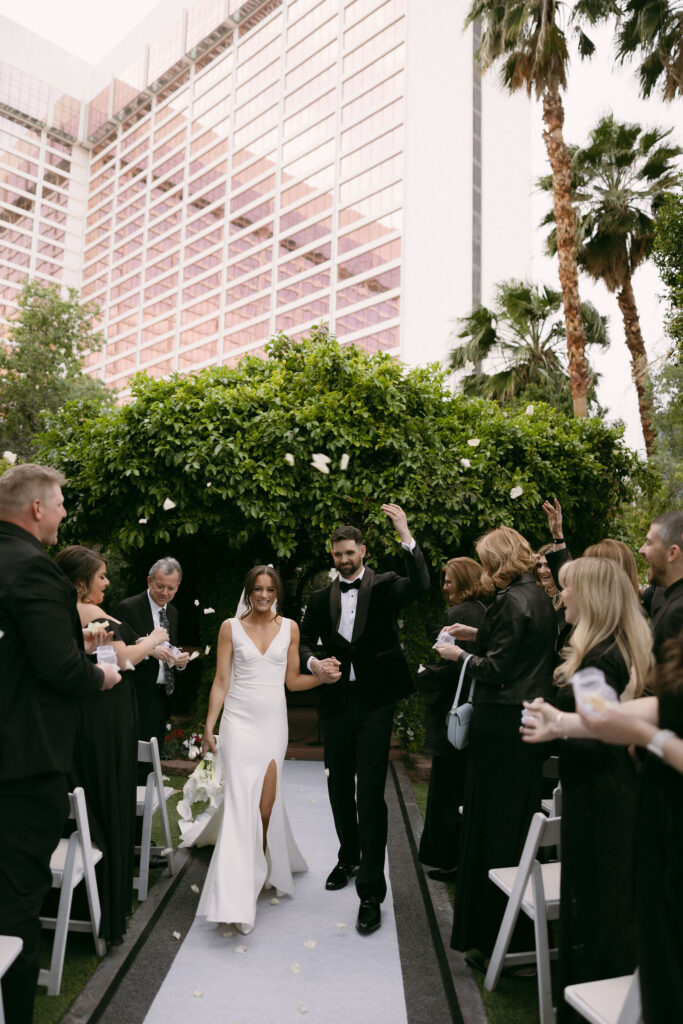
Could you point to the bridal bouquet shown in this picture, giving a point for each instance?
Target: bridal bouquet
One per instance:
(204, 786)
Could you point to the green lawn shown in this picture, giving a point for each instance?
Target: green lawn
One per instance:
(515, 1000)
(80, 960)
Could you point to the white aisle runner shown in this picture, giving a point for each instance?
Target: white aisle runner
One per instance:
(304, 961)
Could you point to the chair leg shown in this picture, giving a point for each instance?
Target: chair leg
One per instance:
(545, 993)
(166, 832)
(54, 979)
(507, 927)
(146, 840)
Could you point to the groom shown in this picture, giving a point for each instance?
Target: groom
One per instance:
(354, 620)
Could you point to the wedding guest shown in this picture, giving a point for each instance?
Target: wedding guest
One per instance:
(514, 663)
(599, 785)
(468, 596)
(544, 576)
(45, 675)
(656, 725)
(663, 552)
(105, 762)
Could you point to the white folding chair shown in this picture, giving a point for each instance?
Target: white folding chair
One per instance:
(533, 888)
(152, 798)
(10, 948)
(73, 861)
(613, 1001)
(553, 806)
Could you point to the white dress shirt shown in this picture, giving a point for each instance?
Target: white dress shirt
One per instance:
(156, 608)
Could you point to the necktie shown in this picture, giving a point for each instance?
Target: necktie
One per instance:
(168, 671)
(345, 587)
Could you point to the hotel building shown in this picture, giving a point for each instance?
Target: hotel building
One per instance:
(234, 169)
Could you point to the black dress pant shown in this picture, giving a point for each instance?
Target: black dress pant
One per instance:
(356, 757)
(34, 812)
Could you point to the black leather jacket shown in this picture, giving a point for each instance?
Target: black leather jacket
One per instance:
(515, 646)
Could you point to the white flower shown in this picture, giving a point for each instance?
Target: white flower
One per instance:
(529, 410)
(192, 753)
(209, 611)
(176, 935)
(516, 491)
(466, 463)
(198, 993)
(142, 522)
(295, 968)
(473, 442)
(332, 574)
(196, 602)
(274, 902)
(168, 727)
(310, 943)
(240, 949)
(168, 505)
(344, 462)
(207, 648)
(289, 458)
(9, 457)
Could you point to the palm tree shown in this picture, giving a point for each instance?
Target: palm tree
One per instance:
(620, 180)
(524, 331)
(527, 39)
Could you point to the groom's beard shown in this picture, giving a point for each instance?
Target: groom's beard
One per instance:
(350, 569)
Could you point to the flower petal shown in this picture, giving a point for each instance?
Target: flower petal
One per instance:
(341, 926)
(143, 522)
(529, 410)
(516, 492)
(207, 648)
(295, 968)
(177, 935)
(289, 458)
(344, 462)
(466, 463)
(196, 602)
(198, 993)
(209, 611)
(9, 457)
(302, 1008)
(310, 943)
(321, 467)
(240, 949)
(274, 902)
(474, 442)
(129, 667)
(168, 505)
(194, 888)
(195, 654)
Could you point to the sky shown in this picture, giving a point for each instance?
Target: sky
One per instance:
(595, 87)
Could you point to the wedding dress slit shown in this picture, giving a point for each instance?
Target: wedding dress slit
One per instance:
(252, 740)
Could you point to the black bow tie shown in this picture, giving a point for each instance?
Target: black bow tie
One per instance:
(345, 587)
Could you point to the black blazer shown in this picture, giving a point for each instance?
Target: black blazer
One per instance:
(44, 672)
(137, 613)
(380, 666)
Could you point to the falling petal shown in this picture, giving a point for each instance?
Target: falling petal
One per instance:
(196, 602)
(311, 801)
(9, 457)
(274, 902)
(2, 633)
(168, 505)
(327, 772)
(344, 462)
(209, 611)
(207, 648)
(466, 463)
(529, 410)
(142, 522)
(332, 574)
(240, 949)
(516, 491)
(195, 654)
(227, 934)
(289, 459)
(302, 1008)
(195, 888)
(167, 849)
(321, 467)
(321, 457)
(341, 927)
(295, 968)
(310, 943)
(176, 935)
(129, 667)
(473, 442)
(198, 993)
(209, 484)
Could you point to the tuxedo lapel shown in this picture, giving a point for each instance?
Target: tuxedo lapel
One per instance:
(335, 604)
(363, 604)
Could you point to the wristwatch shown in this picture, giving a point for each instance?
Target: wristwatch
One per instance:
(656, 744)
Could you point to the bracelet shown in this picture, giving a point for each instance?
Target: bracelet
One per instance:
(558, 720)
(656, 744)
(558, 540)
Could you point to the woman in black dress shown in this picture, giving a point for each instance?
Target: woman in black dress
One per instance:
(514, 663)
(468, 597)
(656, 724)
(599, 783)
(105, 759)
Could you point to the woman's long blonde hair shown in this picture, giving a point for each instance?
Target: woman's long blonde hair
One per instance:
(607, 607)
(505, 555)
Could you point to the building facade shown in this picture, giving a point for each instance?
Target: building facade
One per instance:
(236, 169)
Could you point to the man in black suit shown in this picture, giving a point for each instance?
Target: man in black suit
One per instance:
(663, 552)
(354, 619)
(154, 679)
(44, 672)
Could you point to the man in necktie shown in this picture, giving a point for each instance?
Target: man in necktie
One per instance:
(354, 620)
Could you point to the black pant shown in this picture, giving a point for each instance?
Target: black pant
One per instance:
(356, 757)
(34, 812)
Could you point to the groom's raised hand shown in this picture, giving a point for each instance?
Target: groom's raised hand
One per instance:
(400, 521)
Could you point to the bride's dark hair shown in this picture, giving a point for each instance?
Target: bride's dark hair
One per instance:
(250, 583)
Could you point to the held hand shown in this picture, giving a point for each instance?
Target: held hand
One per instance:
(208, 742)
(449, 652)
(91, 641)
(112, 676)
(182, 660)
(326, 670)
(611, 725)
(333, 677)
(538, 721)
(398, 518)
(462, 632)
(554, 514)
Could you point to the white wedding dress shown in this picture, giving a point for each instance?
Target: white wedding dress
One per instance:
(253, 732)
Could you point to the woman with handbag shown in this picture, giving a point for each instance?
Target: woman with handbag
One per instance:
(513, 663)
(467, 596)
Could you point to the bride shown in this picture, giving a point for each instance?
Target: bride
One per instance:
(257, 653)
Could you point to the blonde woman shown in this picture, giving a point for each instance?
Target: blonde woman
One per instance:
(597, 923)
(513, 663)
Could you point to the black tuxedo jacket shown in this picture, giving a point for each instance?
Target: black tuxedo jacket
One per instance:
(137, 612)
(381, 670)
(44, 672)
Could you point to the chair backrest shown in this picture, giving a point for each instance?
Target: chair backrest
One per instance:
(542, 832)
(78, 811)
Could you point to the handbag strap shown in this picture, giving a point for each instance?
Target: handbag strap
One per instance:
(456, 702)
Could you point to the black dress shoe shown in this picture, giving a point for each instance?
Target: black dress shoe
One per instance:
(339, 875)
(369, 916)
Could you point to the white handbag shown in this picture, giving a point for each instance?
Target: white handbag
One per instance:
(458, 718)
